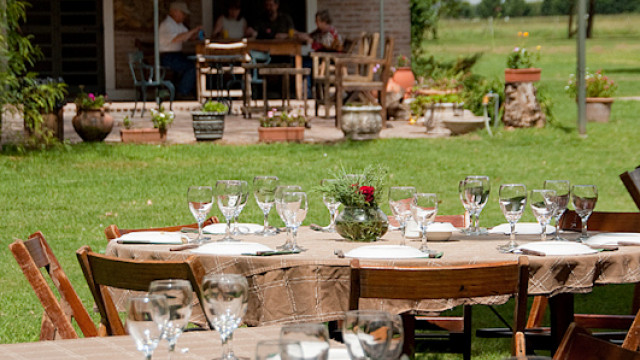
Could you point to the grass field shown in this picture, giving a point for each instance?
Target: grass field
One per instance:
(72, 195)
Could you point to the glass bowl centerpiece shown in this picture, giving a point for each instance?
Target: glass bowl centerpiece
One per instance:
(361, 219)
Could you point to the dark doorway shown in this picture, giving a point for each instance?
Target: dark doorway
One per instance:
(252, 10)
(70, 34)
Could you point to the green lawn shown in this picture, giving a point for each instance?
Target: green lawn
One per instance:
(72, 195)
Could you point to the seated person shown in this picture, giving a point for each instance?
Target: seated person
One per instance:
(172, 33)
(231, 25)
(324, 37)
(276, 25)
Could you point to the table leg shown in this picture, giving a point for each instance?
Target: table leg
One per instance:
(264, 95)
(298, 60)
(561, 307)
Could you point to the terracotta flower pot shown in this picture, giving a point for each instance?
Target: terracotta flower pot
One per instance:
(522, 75)
(279, 134)
(142, 136)
(599, 109)
(404, 77)
(93, 125)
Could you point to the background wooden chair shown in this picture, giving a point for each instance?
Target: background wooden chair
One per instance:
(103, 271)
(454, 282)
(217, 59)
(113, 232)
(631, 180)
(33, 255)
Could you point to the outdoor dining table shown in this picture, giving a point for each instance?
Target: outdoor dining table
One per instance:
(314, 285)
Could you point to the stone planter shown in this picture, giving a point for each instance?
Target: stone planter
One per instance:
(463, 126)
(142, 136)
(599, 109)
(281, 134)
(93, 125)
(361, 122)
(522, 75)
(208, 125)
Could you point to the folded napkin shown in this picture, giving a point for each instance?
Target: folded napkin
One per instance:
(221, 228)
(386, 252)
(614, 239)
(555, 248)
(151, 237)
(521, 228)
(435, 231)
(232, 248)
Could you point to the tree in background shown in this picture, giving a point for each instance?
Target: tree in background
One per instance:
(425, 15)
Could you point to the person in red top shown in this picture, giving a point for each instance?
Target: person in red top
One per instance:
(325, 37)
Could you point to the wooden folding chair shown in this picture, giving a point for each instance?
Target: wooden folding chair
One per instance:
(33, 255)
(632, 340)
(453, 282)
(103, 271)
(113, 232)
(579, 344)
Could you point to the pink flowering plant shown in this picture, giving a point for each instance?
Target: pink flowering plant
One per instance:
(521, 57)
(89, 101)
(597, 85)
(294, 118)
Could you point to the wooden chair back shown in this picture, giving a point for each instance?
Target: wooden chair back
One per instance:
(103, 271)
(602, 221)
(113, 232)
(632, 340)
(631, 180)
(33, 255)
(578, 343)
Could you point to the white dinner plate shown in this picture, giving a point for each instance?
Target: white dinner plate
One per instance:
(521, 228)
(231, 248)
(559, 248)
(613, 238)
(339, 354)
(438, 231)
(151, 237)
(385, 252)
(221, 228)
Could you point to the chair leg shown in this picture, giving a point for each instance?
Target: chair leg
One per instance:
(466, 353)
(144, 100)
(135, 102)
(264, 96)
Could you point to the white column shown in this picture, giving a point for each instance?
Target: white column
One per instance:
(207, 16)
(109, 47)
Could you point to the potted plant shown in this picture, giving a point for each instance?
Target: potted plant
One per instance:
(208, 123)
(161, 120)
(403, 75)
(520, 63)
(42, 109)
(282, 127)
(92, 121)
(599, 90)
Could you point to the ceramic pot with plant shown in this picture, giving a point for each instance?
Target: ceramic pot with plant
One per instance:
(403, 75)
(208, 123)
(92, 121)
(284, 126)
(599, 91)
(521, 63)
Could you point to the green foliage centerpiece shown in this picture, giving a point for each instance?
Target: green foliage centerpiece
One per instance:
(361, 219)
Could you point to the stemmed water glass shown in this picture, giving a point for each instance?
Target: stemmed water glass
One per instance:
(146, 318)
(278, 350)
(264, 190)
(424, 208)
(226, 297)
(584, 198)
(294, 210)
(244, 197)
(400, 198)
(367, 334)
(228, 194)
(200, 199)
(280, 190)
(179, 297)
(513, 199)
(332, 205)
(476, 191)
(543, 205)
(466, 204)
(563, 191)
(312, 337)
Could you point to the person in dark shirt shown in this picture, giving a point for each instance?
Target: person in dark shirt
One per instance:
(275, 25)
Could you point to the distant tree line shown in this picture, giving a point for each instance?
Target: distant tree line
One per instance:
(516, 8)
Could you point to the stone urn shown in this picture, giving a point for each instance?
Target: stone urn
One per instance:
(599, 109)
(93, 125)
(361, 122)
(365, 224)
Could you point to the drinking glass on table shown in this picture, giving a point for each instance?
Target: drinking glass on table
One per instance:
(264, 190)
(584, 198)
(294, 210)
(477, 188)
(312, 337)
(400, 198)
(466, 204)
(179, 297)
(200, 199)
(226, 297)
(513, 199)
(543, 205)
(228, 194)
(244, 197)
(367, 334)
(279, 191)
(332, 205)
(563, 191)
(146, 318)
(278, 350)
(424, 208)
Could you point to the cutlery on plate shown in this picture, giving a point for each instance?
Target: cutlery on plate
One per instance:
(339, 253)
(606, 247)
(272, 252)
(184, 247)
(627, 243)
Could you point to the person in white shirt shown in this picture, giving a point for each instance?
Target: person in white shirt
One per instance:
(173, 33)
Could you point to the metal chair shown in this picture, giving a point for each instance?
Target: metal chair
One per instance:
(144, 77)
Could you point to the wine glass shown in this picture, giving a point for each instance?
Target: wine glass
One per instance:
(278, 350)
(228, 193)
(312, 337)
(179, 297)
(367, 334)
(424, 208)
(244, 197)
(563, 191)
(477, 188)
(394, 350)
(200, 199)
(279, 191)
(543, 205)
(513, 199)
(264, 190)
(400, 198)
(294, 211)
(584, 198)
(332, 205)
(146, 318)
(466, 204)
(226, 297)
